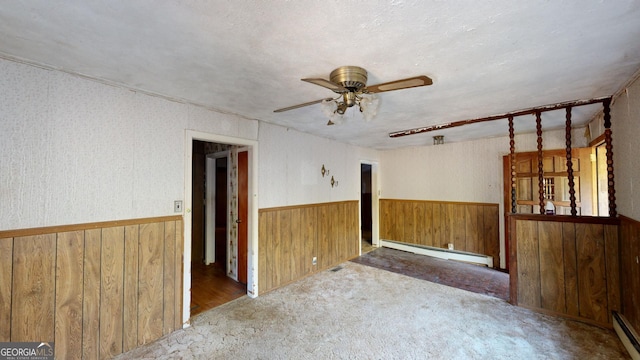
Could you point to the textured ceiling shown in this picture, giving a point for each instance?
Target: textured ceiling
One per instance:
(247, 57)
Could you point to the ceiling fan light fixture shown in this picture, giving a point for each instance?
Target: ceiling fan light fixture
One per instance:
(350, 82)
(369, 106)
(334, 110)
(329, 107)
(342, 107)
(353, 78)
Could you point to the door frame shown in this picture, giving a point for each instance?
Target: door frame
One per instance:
(252, 233)
(375, 199)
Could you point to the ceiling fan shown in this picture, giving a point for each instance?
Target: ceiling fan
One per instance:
(350, 82)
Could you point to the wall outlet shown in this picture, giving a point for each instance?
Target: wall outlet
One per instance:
(450, 246)
(314, 261)
(177, 206)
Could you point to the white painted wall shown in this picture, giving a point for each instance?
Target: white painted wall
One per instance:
(466, 171)
(76, 150)
(290, 168)
(625, 127)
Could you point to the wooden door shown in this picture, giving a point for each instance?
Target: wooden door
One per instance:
(243, 212)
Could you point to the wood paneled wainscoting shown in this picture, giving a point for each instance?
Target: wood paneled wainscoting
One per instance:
(290, 238)
(630, 270)
(471, 227)
(567, 266)
(96, 290)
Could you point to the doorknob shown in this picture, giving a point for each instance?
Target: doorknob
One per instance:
(238, 221)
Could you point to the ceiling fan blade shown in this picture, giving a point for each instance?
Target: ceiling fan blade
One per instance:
(416, 81)
(302, 105)
(328, 84)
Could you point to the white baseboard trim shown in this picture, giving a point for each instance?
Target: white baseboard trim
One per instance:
(627, 335)
(439, 253)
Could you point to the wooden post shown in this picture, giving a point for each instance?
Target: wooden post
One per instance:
(609, 146)
(540, 163)
(512, 159)
(572, 191)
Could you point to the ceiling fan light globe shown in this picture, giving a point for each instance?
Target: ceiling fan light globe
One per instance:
(369, 115)
(369, 106)
(337, 118)
(329, 107)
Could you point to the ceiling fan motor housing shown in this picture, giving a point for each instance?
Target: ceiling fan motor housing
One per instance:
(353, 78)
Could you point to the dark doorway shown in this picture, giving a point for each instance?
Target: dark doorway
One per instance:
(365, 207)
(210, 284)
(198, 202)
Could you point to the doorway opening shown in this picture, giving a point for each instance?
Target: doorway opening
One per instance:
(220, 221)
(367, 208)
(212, 280)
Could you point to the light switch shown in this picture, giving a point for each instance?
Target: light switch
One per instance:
(177, 206)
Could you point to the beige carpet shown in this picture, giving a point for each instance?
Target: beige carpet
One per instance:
(360, 312)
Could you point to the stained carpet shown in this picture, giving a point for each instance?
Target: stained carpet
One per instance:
(360, 312)
(478, 279)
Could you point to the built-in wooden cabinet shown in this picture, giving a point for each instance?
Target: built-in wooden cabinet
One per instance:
(555, 181)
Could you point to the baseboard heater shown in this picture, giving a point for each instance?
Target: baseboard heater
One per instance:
(439, 253)
(627, 335)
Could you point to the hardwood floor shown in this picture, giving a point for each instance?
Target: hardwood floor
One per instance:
(211, 287)
(366, 242)
(366, 246)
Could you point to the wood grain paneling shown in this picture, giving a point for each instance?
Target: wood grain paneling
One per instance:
(528, 265)
(89, 288)
(570, 268)
(630, 270)
(552, 282)
(297, 250)
(351, 230)
(592, 281)
(91, 291)
(286, 244)
(290, 237)
(150, 287)
(324, 236)
(178, 270)
(309, 236)
(491, 232)
(408, 223)
(278, 251)
(264, 224)
(169, 278)
(130, 291)
(612, 263)
(457, 230)
(471, 238)
(111, 291)
(33, 288)
(469, 227)
(69, 280)
(427, 223)
(566, 266)
(6, 271)
(439, 226)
